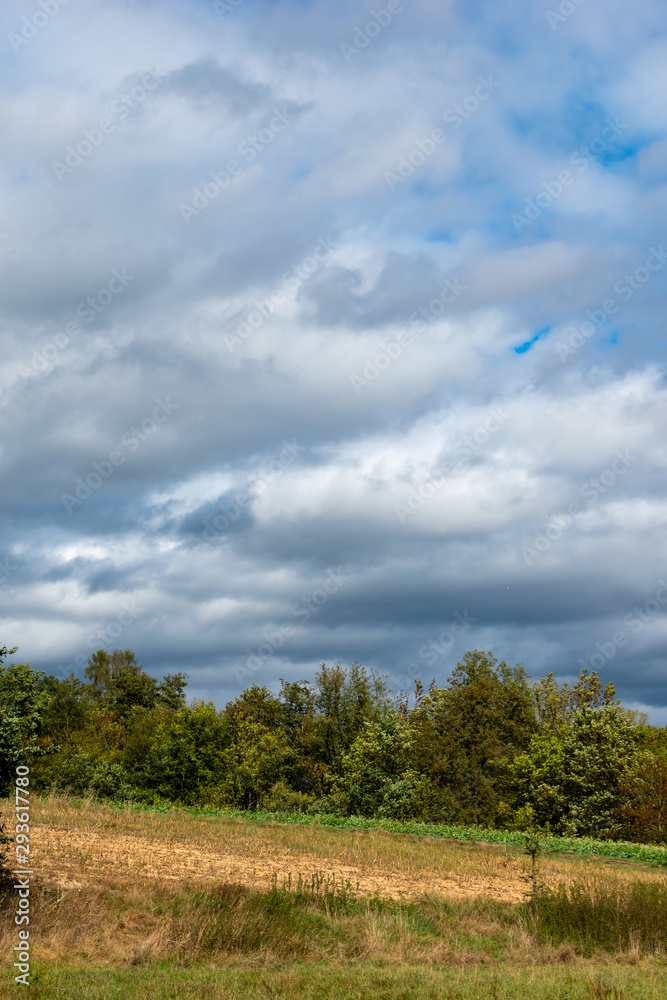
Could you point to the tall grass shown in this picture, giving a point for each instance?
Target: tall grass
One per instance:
(601, 916)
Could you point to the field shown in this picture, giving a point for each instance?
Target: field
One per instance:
(139, 904)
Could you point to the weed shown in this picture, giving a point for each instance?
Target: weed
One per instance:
(597, 990)
(595, 915)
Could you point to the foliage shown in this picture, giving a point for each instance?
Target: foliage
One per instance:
(465, 732)
(120, 684)
(23, 697)
(555, 706)
(642, 813)
(282, 799)
(376, 775)
(487, 749)
(6, 878)
(81, 772)
(254, 762)
(573, 779)
(185, 753)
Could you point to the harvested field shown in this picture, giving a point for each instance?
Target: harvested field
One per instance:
(75, 846)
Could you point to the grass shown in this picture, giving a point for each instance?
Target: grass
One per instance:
(74, 842)
(318, 938)
(144, 904)
(593, 915)
(324, 981)
(647, 854)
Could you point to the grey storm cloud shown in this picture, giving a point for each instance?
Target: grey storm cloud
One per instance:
(322, 349)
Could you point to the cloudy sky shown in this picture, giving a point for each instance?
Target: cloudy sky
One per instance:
(335, 332)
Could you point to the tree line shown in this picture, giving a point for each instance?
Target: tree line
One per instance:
(490, 748)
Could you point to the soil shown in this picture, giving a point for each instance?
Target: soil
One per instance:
(70, 859)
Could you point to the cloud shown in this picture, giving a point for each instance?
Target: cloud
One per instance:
(203, 528)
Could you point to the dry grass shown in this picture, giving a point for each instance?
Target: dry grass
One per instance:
(125, 887)
(74, 846)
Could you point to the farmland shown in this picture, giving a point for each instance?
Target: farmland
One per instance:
(140, 903)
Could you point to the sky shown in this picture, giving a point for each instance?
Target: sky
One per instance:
(335, 332)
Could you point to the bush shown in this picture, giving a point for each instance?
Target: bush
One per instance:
(281, 798)
(596, 916)
(326, 805)
(81, 773)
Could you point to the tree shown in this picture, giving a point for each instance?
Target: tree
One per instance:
(344, 701)
(572, 778)
(465, 733)
(643, 794)
(377, 774)
(98, 672)
(555, 705)
(121, 684)
(65, 711)
(186, 755)
(23, 698)
(171, 691)
(254, 762)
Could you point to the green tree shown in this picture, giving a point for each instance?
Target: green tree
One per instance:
(65, 710)
(465, 734)
(299, 721)
(98, 672)
(23, 698)
(345, 700)
(572, 778)
(255, 761)
(556, 704)
(121, 684)
(171, 691)
(643, 794)
(377, 777)
(186, 755)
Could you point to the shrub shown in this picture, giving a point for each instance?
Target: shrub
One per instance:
(81, 772)
(281, 798)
